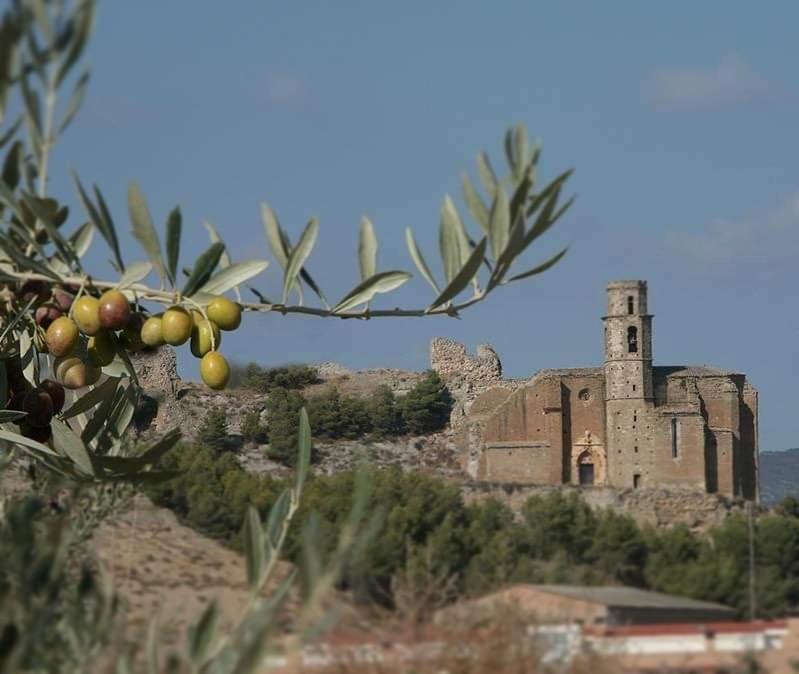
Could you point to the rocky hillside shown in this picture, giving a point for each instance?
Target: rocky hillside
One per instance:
(779, 475)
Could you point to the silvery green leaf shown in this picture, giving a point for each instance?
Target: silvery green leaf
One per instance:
(68, 444)
(383, 282)
(540, 268)
(418, 259)
(486, 174)
(92, 398)
(450, 212)
(36, 206)
(26, 443)
(75, 101)
(277, 517)
(84, 25)
(203, 268)
(104, 226)
(81, 239)
(201, 636)
(299, 255)
(174, 225)
(224, 261)
(475, 204)
(11, 415)
(514, 247)
(9, 133)
(253, 535)
(367, 249)
(463, 277)
(144, 230)
(449, 242)
(8, 198)
(273, 235)
(499, 223)
(11, 165)
(135, 272)
(234, 275)
(105, 214)
(521, 146)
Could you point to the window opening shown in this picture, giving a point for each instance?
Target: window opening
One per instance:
(632, 339)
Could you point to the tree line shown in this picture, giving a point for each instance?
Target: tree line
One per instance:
(425, 408)
(430, 532)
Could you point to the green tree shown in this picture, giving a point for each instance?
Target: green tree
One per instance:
(324, 411)
(252, 430)
(283, 408)
(427, 406)
(213, 431)
(384, 413)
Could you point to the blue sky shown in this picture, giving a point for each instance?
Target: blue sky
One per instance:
(679, 118)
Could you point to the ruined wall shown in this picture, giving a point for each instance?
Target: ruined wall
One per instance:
(466, 376)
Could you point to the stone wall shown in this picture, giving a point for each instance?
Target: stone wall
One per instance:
(466, 376)
(658, 507)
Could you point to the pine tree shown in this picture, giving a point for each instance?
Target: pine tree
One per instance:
(284, 422)
(384, 413)
(252, 430)
(213, 432)
(427, 406)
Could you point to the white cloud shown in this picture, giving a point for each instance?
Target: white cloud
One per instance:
(772, 238)
(731, 81)
(285, 89)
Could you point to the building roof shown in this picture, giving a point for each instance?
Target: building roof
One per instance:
(630, 597)
(692, 371)
(572, 372)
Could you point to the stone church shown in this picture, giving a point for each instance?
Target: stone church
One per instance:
(627, 424)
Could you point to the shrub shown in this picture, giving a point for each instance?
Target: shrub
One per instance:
(264, 380)
(284, 408)
(384, 414)
(252, 430)
(427, 406)
(213, 432)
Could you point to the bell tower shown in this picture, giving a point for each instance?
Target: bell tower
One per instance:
(628, 342)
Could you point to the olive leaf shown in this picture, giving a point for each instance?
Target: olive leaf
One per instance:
(540, 268)
(499, 223)
(486, 174)
(233, 276)
(418, 259)
(67, 443)
(81, 238)
(463, 277)
(75, 101)
(100, 221)
(144, 230)
(203, 268)
(135, 273)
(382, 282)
(475, 204)
(253, 535)
(92, 398)
(367, 249)
(299, 255)
(174, 225)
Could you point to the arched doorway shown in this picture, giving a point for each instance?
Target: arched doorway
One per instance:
(588, 462)
(585, 469)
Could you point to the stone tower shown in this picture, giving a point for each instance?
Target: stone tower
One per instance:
(628, 383)
(628, 342)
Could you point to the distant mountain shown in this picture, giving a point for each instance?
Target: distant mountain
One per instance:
(779, 475)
